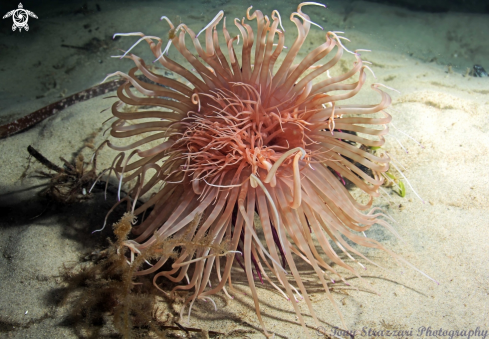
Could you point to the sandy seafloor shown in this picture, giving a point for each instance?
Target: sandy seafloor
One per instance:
(447, 237)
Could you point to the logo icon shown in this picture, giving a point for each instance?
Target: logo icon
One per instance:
(20, 16)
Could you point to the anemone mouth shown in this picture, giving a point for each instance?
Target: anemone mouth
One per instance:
(232, 128)
(234, 138)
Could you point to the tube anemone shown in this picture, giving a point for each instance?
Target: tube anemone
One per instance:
(237, 138)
